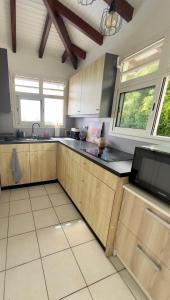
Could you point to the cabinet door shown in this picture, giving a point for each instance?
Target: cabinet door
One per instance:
(75, 94)
(5, 168)
(92, 77)
(43, 166)
(96, 204)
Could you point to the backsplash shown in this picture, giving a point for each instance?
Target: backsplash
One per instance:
(126, 145)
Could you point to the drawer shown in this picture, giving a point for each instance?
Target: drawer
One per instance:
(108, 178)
(150, 226)
(43, 147)
(18, 147)
(148, 270)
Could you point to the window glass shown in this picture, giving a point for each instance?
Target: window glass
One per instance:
(30, 110)
(26, 85)
(53, 111)
(53, 88)
(142, 63)
(135, 107)
(163, 128)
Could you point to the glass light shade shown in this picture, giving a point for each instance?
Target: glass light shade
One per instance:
(111, 22)
(86, 2)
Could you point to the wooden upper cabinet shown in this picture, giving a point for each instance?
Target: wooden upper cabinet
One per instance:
(91, 90)
(75, 94)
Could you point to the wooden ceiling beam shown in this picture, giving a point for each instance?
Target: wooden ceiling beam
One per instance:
(77, 51)
(124, 9)
(77, 21)
(46, 31)
(62, 31)
(13, 24)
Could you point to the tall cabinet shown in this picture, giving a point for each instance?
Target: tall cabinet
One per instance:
(91, 89)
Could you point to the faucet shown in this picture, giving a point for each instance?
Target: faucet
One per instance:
(33, 134)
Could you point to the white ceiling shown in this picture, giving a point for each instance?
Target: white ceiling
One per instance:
(31, 16)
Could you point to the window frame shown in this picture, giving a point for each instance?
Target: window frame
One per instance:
(16, 96)
(158, 79)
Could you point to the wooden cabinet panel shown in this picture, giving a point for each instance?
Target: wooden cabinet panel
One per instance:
(108, 178)
(150, 226)
(5, 168)
(92, 77)
(43, 147)
(19, 148)
(43, 166)
(147, 269)
(75, 84)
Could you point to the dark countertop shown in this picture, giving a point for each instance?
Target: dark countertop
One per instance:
(119, 168)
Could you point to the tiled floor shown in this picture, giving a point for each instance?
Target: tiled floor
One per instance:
(47, 252)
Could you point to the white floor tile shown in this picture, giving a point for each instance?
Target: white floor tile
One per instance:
(21, 224)
(77, 232)
(59, 199)
(62, 274)
(21, 249)
(26, 282)
(44, 218)
(67, 213)
(3, 228)
(40, 202)
(4, 196)
(111, 288)
(3, 244)
(36, 191)
(4, 210)
(20, 207)
(51, 240)
(53, 188)
(2, 276)
(81, 295)
(19, 194)
(93, 262)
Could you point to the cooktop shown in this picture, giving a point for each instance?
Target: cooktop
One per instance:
(109, 154)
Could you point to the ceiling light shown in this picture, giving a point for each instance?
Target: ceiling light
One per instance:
(111, 21)
(85, 2)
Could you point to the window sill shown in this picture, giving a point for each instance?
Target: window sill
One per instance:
(150, 139)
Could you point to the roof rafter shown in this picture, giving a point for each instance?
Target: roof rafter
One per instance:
(13, 24)
(62, 31)
(82, 25)
(46, 31)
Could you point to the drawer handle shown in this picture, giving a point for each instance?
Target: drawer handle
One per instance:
(155, 265)
(158, 218)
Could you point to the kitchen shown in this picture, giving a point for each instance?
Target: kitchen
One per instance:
(84, 150)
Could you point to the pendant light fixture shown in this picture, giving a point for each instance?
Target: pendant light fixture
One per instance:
(111, 21)
(86, 2)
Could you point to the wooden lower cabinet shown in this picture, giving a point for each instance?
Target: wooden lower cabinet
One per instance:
(143, 241)
(5, 164)
(43, 166)
(92, 197)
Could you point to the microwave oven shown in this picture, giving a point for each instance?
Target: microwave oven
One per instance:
(151, 171)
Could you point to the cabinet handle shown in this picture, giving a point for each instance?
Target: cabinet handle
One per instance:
(97, 109)
(158, 218)
(151, 261)
(78, 111)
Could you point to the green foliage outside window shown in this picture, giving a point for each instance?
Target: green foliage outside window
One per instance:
(136, 108)
(164, 122)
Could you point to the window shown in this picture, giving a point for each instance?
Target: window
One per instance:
(39, 101)
(142, 63)
(163, 127)
(142, 98)
(135, 107)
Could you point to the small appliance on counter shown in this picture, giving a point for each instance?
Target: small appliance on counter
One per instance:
(75, 133)
(151, 170)
(83, 133)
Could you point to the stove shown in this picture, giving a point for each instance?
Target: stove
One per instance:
(109, 154)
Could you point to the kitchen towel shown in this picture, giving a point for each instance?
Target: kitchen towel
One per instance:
(15, 167)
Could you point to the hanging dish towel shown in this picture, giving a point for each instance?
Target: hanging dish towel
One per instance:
(15, 167)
